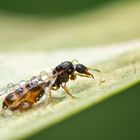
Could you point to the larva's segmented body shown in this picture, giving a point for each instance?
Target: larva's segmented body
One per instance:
(14, 101)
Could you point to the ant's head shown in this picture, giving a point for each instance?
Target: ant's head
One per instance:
(83, 70)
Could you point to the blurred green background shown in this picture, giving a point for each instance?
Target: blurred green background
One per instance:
(50, 8)
(32, 25)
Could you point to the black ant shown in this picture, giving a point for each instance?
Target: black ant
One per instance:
(67, 70)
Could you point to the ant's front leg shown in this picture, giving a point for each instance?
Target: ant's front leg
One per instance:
(49, 95)
(74, 75)
(88, 75)
(67, 90)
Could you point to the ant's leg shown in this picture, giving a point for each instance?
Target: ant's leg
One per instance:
(84, 75)
(54, 88)
(49, 95)
(88, 74)
(67, 90)
(73, 77)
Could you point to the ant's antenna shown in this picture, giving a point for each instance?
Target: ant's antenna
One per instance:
(101, 80)
(75, 61)
(94, 70)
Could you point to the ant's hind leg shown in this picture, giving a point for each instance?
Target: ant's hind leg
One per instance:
(67, 90)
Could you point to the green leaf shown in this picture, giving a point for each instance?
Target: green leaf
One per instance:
(120, 68)
(51, 41)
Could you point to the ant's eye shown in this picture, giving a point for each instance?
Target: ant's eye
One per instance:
(81, 68)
